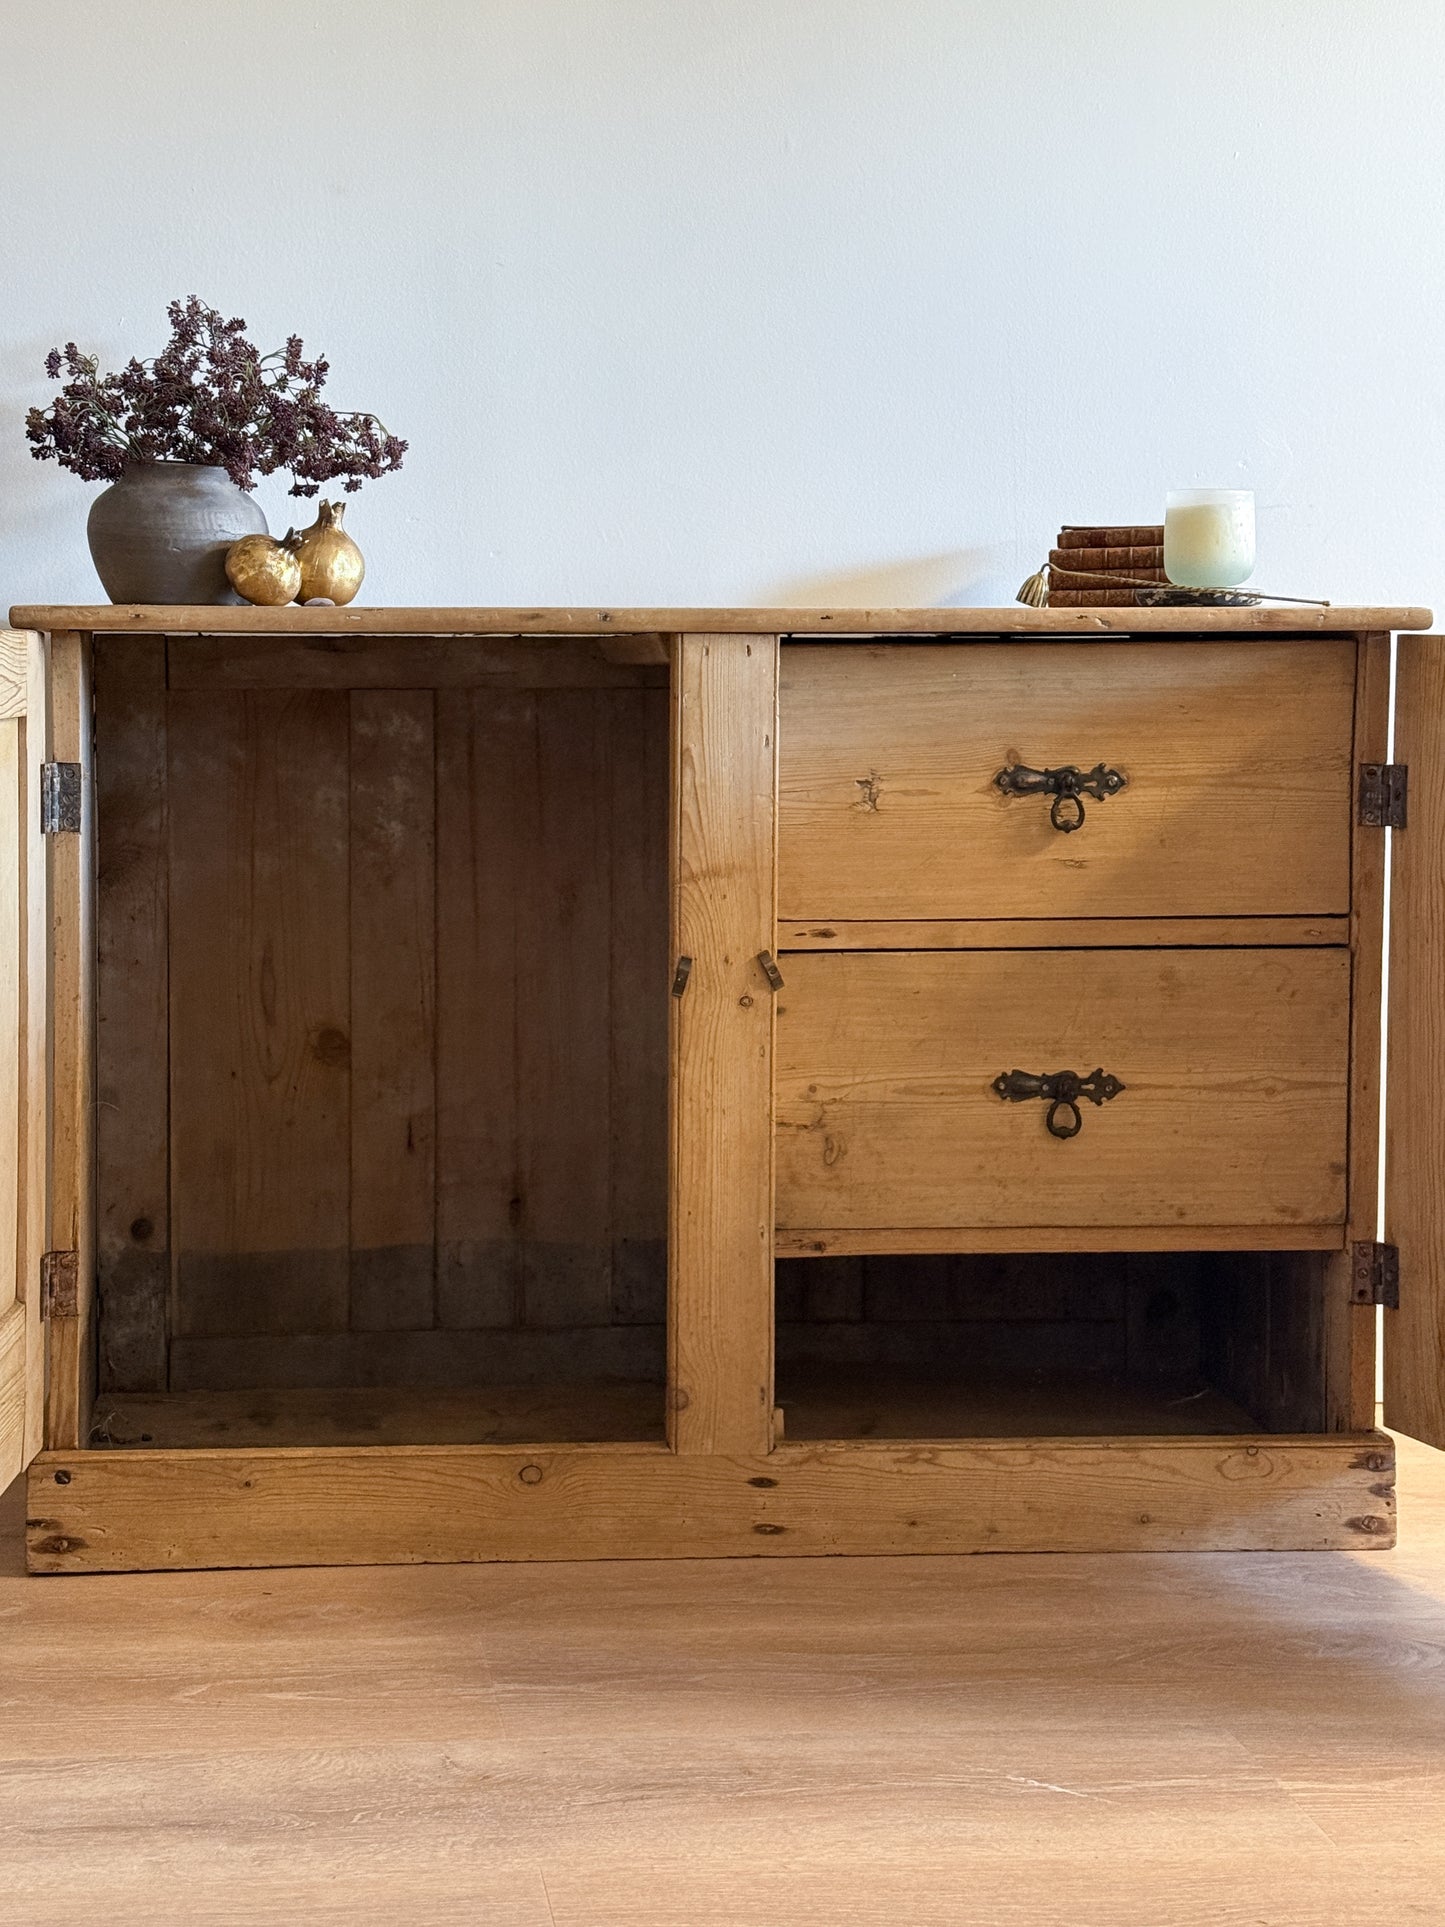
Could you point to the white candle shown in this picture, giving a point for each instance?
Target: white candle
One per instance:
(1209, 537)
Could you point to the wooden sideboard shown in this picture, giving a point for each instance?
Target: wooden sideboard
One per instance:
(504, 1084)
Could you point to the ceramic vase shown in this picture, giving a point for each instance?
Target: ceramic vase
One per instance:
(160, 533)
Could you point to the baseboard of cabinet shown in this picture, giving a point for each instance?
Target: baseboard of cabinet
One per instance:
(142, 1510)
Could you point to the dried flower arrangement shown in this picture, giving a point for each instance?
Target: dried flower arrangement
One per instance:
(209, 397)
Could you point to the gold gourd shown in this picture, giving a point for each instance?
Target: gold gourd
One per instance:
(264, 571)
(331, 564)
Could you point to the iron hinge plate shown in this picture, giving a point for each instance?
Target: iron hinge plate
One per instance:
(60, 1284)
(1383, 792)
(59, 798)
(1375, 1275)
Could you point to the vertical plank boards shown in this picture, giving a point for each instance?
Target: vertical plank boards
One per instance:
(1349, 1329)
(34, 1227)
(15, 1312)
(393, 968)
(639, 966)
(486, 776)
(70, 865)
(132, 1040)
(563, 1011)
(720, 1339)
(260, 1172)
(1415, 1135)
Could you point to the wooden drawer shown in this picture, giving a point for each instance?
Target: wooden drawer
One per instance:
(1232, 1112)
(1236, 758)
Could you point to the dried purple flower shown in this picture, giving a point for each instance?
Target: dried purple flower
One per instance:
(210, 396)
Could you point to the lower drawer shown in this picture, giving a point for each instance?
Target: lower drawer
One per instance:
(1232, 1107)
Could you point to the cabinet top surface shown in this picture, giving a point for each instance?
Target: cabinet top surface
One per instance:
(151, 619)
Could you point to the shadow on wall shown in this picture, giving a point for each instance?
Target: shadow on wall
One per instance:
(922, 582)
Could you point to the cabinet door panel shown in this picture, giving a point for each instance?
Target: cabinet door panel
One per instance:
(1415, 1086)
(1235, 758)
(1233, 1108)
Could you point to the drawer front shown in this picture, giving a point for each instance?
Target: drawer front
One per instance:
(1236, 759)
(1233, 1108)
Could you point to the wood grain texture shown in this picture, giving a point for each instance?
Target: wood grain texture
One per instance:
(1350, 1330)
(640, 974)
(301, 661)
(15, 647)
(1415, 1128)
(14, 1389)
(70, 867)
(160, 619)
(392, 953)
(564, 1001)
(887, 1116)
(805, 1241)
(888, 805)
(720, 1313)
(22, 1388)
(132, 1015)
(1063, 933)
(260, 1014)
(559, 1412)
(486, 801)
(1211, 1741)
(140, 1510)
(34, 1212)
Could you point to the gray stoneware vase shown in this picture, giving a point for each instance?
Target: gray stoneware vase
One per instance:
(160, 533)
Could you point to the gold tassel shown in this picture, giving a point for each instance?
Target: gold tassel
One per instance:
(1035, 592)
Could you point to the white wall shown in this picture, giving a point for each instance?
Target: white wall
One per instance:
(763, 300)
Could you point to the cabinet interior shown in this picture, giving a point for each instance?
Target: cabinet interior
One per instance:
(382, 1158)
(1051, 1344)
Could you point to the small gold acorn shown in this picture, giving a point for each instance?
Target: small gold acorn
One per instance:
(331, 564)
(263, 571)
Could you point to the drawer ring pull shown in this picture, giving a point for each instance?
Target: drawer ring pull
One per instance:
(1062, 1091)
(1068, 786)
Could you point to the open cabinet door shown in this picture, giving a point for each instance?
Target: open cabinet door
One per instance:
(23, 1067)
(1415, 1087)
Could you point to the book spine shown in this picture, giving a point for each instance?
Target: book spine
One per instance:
(1142, 537)
(1067, 578)
(1091, 599)
(1129, 561)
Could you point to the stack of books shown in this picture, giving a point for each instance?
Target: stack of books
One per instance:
(1096, 568)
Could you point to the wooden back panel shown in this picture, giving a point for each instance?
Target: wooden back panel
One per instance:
(414, 1124)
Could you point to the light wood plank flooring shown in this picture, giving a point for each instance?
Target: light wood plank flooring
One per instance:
(1125, 1741)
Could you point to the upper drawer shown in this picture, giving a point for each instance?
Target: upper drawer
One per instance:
(1236, 759)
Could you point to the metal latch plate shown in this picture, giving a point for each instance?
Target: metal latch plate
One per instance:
(60, 1284)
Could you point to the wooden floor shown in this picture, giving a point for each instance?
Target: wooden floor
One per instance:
(1125, 1741)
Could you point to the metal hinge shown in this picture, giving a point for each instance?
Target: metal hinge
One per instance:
(1375, 1275)
(1383, 789)
(59, 797)
(60, 1284)
(681, 975)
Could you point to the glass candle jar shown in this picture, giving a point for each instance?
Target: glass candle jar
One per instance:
(1209, 537)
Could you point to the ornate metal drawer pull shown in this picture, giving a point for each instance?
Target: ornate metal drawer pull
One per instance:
(1062, 1091)
(1068, 787)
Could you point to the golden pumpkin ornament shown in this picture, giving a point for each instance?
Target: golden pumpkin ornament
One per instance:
(264, 571)
(331, 564)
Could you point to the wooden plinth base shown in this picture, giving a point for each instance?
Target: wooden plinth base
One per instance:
(99, 1511)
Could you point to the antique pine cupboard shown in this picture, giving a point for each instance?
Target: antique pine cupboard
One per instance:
(509, 1084)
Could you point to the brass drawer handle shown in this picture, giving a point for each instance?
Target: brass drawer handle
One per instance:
(1062, 1091)
(1068, 786)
